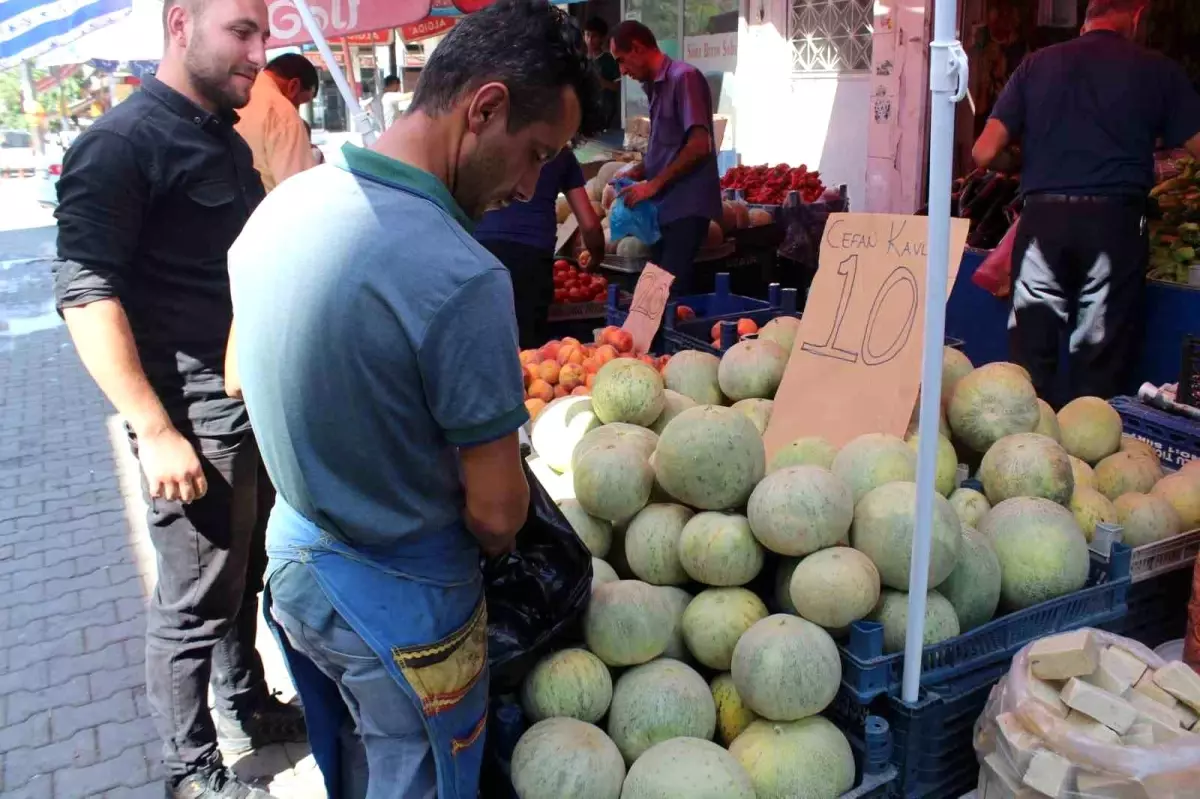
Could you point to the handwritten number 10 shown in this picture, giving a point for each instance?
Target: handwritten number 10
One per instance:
(831, 348)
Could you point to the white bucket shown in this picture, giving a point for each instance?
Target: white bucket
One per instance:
(1171, 650)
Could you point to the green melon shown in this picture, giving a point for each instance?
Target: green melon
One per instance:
(941, 620)
(715, 620)
(656, 702)
(872, 460)
(733, 717)
(596, 534)
(783, 584)
(970, 505)
(806, 759)
(800, 509)
(559, 428)
(719, 549)
(1146, 518)
(652, 544)
(613, 482)
(807, 451)
(973, 588)
(914, 421)
(1043, 553)
(757, 411)
(955, 366)
(710, 458)
(642, 440)
(694, 375)
(1082, 474)
(1133, 444)
(1015, 369)
(752, 368)
(571, 682)
(561, 757)
(834, 587)
(627, 390)
(1091, 508)
(786, 668)
(1027, 465)
(990, 403)
(883, 530)
(1047, 422)
(1182, 492)
(687, 767)
(602, 573)
(627, 622)
(674, 404)
(1126, 473)
(782, 330)
(677, 600)
(1091, 429)
(946, 470)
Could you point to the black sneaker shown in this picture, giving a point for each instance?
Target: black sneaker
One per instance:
(218, 783)
(273, 723)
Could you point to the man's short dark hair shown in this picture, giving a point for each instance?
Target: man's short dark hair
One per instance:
(391, 80)
(530, 46)
(1101, 8)
(294, 66)
(630, 32)
(597, 26)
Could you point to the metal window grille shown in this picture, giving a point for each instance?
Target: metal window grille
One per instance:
(832, 36)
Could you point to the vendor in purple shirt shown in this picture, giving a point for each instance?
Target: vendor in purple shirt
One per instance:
(679, 174)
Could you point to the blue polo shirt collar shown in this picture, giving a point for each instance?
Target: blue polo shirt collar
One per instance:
(382, 169)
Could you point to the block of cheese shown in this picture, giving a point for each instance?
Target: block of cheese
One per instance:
(1061, 657)
(1091, 728)
(1187, 718)
(1178, 680)
(1111, 711)
(1100, 785)
(1140, 734)
(1048, 695)
(1118, 671)
(1162, 720)
(1048, 773)
(1017, 743)
(1148, 688)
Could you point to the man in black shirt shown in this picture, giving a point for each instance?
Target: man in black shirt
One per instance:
(150, 199)
(1089, 112)
(595, 36)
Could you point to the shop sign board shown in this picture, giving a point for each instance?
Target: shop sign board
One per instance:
(855, 367)
(342, 18)
(715, 52)
(426, 29)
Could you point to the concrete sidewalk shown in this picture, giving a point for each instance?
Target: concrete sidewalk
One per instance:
(76, 568)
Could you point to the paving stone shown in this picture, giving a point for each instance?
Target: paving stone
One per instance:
(33, 731)
(98, 637)
(128, 769)
(108, 659)
(116, 736)
(21, 705)
(28, 646)
(103, 684)
(66, 721)
(40, 787)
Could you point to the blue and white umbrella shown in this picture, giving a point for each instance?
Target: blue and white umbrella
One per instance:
(29, 28)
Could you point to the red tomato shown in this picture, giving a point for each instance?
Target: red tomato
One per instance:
(560, 278)
(575, 294)
(684, 313)
(561, 264)
(560, 295)
(601, 296)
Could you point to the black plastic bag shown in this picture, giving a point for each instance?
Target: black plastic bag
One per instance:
(536, 594)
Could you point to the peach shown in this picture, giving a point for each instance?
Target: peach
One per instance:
(559, 391)
(548, 371)
(531, 373)
(581, 391)
(747, 327)
(590, 381)
(529, 356)
(623, 341)
(534, 406)
(570, 353)
(568, 341)
(592, 365)
(646, 359)
(571, 376)
(549, 350)
(606, 352)
(540, 389)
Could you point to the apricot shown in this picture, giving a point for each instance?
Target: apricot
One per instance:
(534, 406)
(592, 365)
(548, 371)
(606, 352)
(559, 391)
(571, 376)
(531, 373)
(529, 356)
(549, 350)
(747, 327)
(540, 389)
(570, 353)
(580, 391)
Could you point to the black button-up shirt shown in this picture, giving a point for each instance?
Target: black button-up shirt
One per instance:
(150, 199)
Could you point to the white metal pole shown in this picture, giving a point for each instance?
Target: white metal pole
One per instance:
(362, 120)
(947, 84)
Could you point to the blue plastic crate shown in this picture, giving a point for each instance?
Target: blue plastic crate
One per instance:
(932, 739)
(1157, 609)
(1176, 438)
(868, 673)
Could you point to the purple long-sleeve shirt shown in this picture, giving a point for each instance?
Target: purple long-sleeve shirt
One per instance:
(679, 101)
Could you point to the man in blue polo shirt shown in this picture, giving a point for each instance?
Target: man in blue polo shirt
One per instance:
(679, 174)
(1088, 112)
(378, 356)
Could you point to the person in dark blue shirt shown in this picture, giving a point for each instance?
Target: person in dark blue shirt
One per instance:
(522, 236)
(1089, 113)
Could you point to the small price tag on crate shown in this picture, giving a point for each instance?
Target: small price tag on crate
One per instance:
(646, 311)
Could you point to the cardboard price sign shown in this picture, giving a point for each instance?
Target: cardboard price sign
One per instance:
(856, 365)
(646, 311)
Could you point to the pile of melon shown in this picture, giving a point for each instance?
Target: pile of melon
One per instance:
(721, 581)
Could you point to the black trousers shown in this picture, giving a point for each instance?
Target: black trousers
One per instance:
(204, 612)
(1079, 269)
(676, 251)
(532, 271)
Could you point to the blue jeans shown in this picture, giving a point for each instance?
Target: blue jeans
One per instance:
(388, 752)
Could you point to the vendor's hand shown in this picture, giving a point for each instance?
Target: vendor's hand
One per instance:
(172, 468)
(639, 192)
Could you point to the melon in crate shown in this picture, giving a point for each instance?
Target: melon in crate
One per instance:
(710, 458)
(993, 401)
(572, 682)
(688, 768)
(973, 588)
(786, 668)
(602, 572)
(656, 702)
(800, 509)
(1182, 492)
(757, 411)
(834, 587)
(946, 470)
(733, 717)
(715, 620)
(715, 236)
(883, 529)
(596, 534)
(677, 601)
(641, 439)
(627, 622)
(561, 757)
(970, 505)
(694, 374)
(719, 549)
(752, 369)
(627, 390)
(782, 330)
(787, 760)
(652, 543)
(1091, 508)
(941, 620)
(872, 460)
(1027, 465)
(805, 451)
(674, 404)
(1127, 472)
(612, 482)
(1042, 552)
(1091, 429)
(1145, 519)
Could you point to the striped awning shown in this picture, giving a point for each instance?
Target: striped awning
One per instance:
(29, 28)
